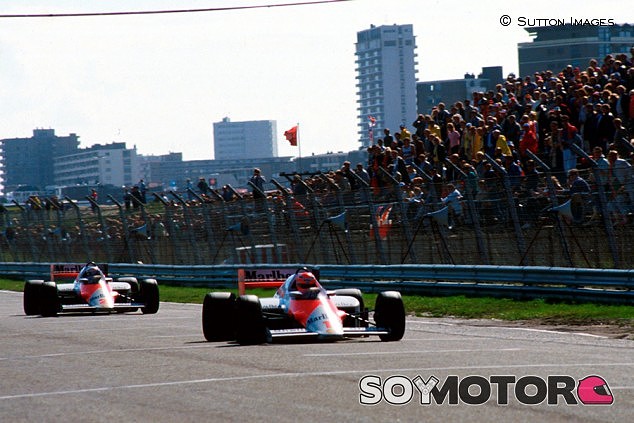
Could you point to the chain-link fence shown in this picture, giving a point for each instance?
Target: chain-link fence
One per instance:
(498, 222)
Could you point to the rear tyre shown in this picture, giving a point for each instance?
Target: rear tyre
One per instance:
(150, 296)
(219, 309)
(251, 327)
(362, 315)
(134, 285)
(389, 314)
(50, 304)
(31, 298)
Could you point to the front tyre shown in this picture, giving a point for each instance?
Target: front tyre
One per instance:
(50, 303)
(251, 327)
(219, 309)
(31, 297)
(150, 296)
(389, 313)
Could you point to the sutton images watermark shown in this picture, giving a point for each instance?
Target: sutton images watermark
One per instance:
(523, 21)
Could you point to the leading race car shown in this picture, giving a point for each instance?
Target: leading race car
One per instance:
(91, 291)
(301, 308)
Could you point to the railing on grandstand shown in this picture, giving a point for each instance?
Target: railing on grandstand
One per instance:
(384, 224)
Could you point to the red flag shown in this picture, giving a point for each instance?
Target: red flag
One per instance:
(291, 135)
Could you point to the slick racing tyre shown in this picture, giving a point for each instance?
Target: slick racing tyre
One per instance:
(134, 285)
(50, 304)
(31, 298)
(360, 320)
(251, 327)
(389, 313)
(219, 309)
(150, 296)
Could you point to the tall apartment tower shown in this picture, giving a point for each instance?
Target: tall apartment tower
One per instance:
(243, 140)
(386, 79)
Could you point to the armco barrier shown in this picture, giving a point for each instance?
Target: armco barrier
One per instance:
(573, 284)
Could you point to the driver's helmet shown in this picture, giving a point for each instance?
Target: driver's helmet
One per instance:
(305, 281)
(90, 272)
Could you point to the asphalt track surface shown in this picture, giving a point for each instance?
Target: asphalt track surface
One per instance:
(158, 368)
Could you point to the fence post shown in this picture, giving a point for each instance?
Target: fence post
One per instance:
(270, 220)
(521, 243)
(398, 193)
(245, 218)
(206, 209)
(473, 214)
(292, 219)
(171, 229)
(553, 199)
(607, 223)
(82, 228)
(104, 227)
(124, 224)
(190, 227)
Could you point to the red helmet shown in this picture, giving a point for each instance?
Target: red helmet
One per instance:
(305, 280)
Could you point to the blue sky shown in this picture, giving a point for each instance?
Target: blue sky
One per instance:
(160, 81)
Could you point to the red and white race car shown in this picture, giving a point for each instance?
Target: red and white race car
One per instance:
(91, 291)
(301, 308)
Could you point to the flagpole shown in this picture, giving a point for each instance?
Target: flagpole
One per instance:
(299, 149)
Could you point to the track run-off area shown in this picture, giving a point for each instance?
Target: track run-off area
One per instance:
(158, 368)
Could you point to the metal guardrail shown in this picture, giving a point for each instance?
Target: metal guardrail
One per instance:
(520, 282)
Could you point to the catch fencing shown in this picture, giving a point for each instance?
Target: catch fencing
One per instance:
(390, 224)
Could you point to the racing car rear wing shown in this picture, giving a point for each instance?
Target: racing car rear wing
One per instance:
(70, 271)
(265, 278)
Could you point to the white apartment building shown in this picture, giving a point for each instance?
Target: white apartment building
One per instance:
(386, 78)
(109, 164)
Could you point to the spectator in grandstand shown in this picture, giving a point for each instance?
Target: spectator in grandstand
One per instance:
(619, 186)
(453, 139)
(258, 181)
(453, 201)
(605, 126)
(621, 142)
(203, 186)
(226, 193)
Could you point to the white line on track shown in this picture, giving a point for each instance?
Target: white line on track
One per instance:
(559, 332)
(407, 352)
(306, 374)
(124, 350)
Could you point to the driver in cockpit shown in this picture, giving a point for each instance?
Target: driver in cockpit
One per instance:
(306, 283)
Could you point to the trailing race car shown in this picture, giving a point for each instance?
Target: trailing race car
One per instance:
(91, 291)
(301, 308)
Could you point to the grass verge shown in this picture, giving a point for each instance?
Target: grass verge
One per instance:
(458, 306)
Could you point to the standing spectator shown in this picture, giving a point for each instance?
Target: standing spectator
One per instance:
(226, 193)
(621, 138)
(136, 197)
(408, 151)
(347, 172)
(362, 173)
(189, 187)
(453, 201)
(453, 139)
(143, 191)
(258, 180)
(93, 197)
(127, 199)
(569, 136)
(605, 127)
(619, 184)
(203, 186)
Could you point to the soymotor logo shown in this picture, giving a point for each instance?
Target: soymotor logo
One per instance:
(476, 390)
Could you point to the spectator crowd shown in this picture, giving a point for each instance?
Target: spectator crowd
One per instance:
(517, 128)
